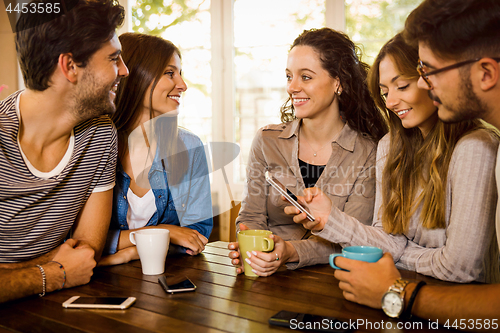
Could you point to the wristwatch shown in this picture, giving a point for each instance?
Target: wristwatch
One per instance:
(393, 301)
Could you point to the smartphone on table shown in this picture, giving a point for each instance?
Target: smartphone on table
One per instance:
(176, 283)
(284, 192)
(309, 323)
(86, 302)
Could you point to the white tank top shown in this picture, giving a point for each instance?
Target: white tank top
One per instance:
(140, 209)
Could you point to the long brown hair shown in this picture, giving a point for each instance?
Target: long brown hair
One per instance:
(340, 57)
(414, 163)
(146, 58)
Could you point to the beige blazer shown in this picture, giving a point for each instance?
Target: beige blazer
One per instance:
(348, 179)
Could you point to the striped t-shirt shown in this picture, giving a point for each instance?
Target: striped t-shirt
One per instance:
(36, 212)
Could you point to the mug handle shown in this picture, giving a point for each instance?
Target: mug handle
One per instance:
(332, 260)
(269, 244)
(131, 236)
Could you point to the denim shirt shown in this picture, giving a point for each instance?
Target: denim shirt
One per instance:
(187, 204)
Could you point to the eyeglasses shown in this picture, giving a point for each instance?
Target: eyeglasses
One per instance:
(425, 75)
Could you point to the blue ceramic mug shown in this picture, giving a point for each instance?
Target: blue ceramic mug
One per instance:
(363, 253)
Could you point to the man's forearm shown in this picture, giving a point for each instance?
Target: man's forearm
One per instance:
(18, 283)
(30, 263)
(92, 223)
(469, 305)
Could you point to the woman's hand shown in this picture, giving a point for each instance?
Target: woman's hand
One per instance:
(234, 255)
(191, 239)
(267, 263)
(120, 257)
(319, 206)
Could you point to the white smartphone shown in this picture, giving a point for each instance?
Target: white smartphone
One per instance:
(175, 284)
(118, 303)
(282, 190)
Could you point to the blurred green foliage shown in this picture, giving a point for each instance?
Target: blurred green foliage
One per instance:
(371, 23)
(142, 11)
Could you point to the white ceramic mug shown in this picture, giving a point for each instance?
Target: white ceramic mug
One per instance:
(152, 246)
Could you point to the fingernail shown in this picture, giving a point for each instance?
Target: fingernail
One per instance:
(248, 261)
(249, 255)
(254, 253)
(255, 272)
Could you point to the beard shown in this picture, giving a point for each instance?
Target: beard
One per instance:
(467, 107)
(93, 100)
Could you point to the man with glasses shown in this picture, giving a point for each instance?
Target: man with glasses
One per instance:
(459, 49)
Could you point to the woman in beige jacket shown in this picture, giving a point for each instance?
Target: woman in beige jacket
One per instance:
(327, 139)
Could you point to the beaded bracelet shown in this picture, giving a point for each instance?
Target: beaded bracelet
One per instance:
(43, 280)
(64, 271)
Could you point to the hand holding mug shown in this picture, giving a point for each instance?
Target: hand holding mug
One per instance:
(250, 242)
(235, 252)
(365, 283)
(267, 263)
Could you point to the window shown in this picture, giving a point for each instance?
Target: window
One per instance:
(260, 55)
(371, 23)
(185, 23)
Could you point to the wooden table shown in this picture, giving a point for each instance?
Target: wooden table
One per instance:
(223, 300)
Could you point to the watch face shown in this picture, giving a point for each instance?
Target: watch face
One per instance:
(392, 304)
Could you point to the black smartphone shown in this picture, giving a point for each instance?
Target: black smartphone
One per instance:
(176, 283)
(309, 322)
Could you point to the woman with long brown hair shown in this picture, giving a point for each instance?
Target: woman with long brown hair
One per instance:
(327, 138)
(162, 172)
(435, 195)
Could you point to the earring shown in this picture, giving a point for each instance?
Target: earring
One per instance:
(339, 92)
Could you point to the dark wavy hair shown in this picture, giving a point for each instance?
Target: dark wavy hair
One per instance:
(456, 29)
(147, 57)
(81, 31)
(340, 57)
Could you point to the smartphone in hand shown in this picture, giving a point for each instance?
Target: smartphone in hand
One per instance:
(284, 192)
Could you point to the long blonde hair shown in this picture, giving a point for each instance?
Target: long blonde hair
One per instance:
(414, 163)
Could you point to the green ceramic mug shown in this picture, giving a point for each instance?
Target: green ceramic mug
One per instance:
(253, 240)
